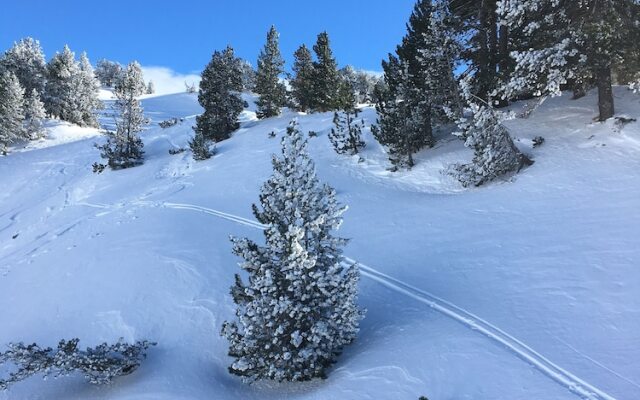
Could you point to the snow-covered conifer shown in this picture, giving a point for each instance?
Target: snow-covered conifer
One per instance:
(273, 93)
(346, 135)
(11, 110)
(576, 40)
(219, 95)
(326, 80)
(494, 153)
(108, 72)
(26, 61)
(298, 308)
(61, 86)
(151, 88)
(302, 80)
(248, 76)
(87, 91)
(123, 148)
(34, 114)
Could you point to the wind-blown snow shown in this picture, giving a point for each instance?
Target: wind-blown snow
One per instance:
(525, 289)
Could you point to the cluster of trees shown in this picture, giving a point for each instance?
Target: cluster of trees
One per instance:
(316, 85)
(511, 49)
(31, 88)
(108, 72)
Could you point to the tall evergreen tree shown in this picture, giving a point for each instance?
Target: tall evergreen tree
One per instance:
(273, 93)
(400, 123)
(437, 58)
(298, 309)
(108, 72)
(326, 81)
(34, 114)
(302, 80)
(60, 89)
(419, 85)
(123, 148)
(219, 95)
(11, 110)
(26, 61)
(151, 87)
(87, 90)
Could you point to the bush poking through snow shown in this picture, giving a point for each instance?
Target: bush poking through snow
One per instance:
(99, 365)
(169, 123)
(538, 141)
(298, 308)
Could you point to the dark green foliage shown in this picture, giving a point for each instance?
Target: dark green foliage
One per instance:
(200, 147)
(302, 80)
(346, 135)
(219, 95)
(273, 94)
(99, 365)
(326, 81)
(402, 128)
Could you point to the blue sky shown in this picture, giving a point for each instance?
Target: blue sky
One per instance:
(181, 35)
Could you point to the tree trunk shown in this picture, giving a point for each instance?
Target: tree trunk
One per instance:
(605, 93)
(503, 59)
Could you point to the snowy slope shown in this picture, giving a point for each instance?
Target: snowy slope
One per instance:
(519, 290)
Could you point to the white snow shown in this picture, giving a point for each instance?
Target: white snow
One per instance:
(526, 289)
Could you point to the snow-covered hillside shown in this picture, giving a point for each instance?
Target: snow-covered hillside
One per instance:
(527, 289)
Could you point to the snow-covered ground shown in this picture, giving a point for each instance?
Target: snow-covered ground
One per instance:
(527, 289)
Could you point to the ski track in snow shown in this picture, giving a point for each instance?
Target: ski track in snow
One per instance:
(466, 318)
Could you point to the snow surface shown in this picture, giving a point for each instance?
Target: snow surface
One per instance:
(524, 289)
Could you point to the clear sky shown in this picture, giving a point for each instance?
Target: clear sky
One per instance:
(182, 34)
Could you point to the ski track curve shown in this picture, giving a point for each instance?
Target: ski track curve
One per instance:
(459, 314)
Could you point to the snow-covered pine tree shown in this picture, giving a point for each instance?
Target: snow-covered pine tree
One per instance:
(87, 91)
(151, 88)
(577, 40)
(219, 95)
(298, 308)
(346, 135)
(34, 114)
(273, 93)
(248, 76)
(437, 57)
(302, 80)
(326, 81)
(26, 61)
(11, 110)
(108, 72)
(494, 153)
(61, 86)
(123, 148)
